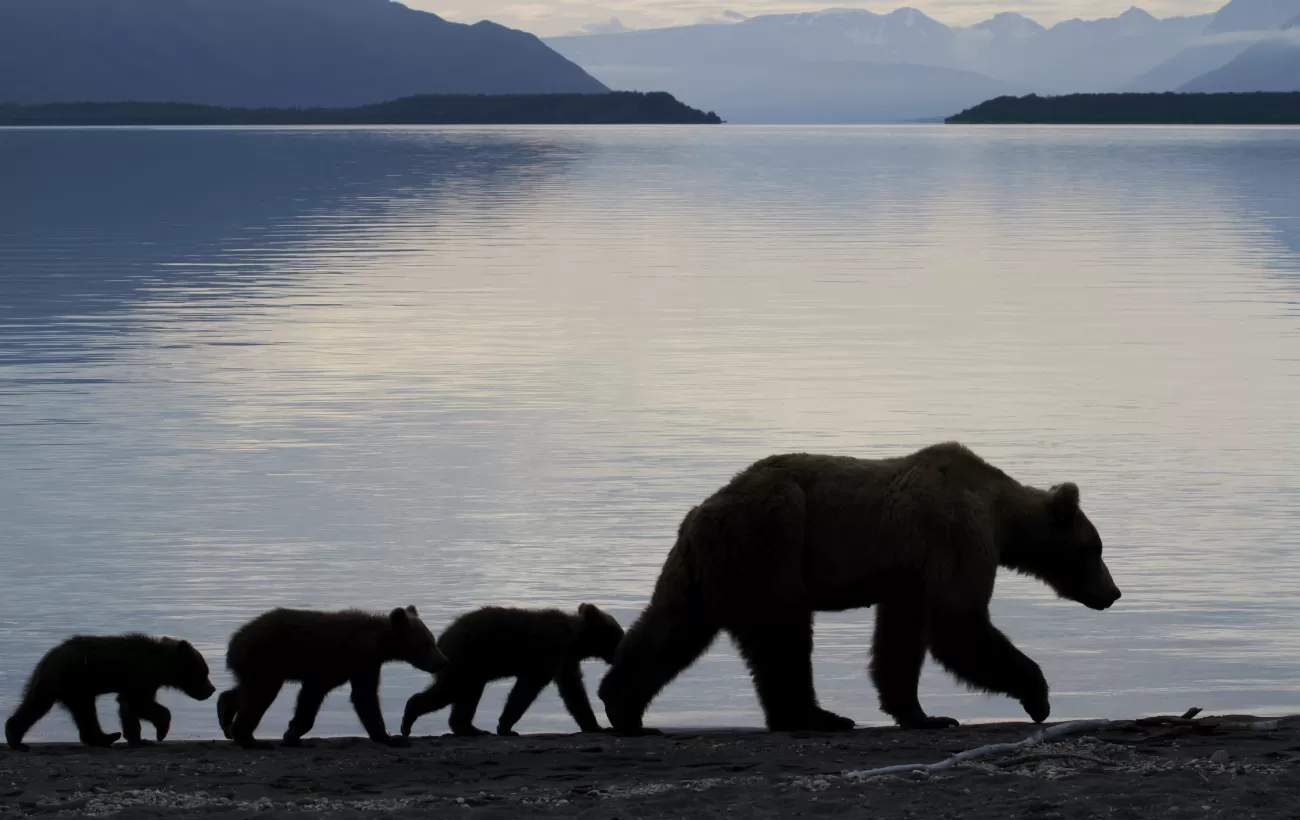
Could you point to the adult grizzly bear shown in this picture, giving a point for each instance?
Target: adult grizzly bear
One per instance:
(920, 536)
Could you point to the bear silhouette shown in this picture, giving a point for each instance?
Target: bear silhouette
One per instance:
(133, 666)
(323, 651)
(920, 537)
(533, 646)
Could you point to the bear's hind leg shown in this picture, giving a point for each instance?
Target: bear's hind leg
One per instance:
(438, 696)
(524, 693)
(310, 698)
(464, 708)
(227, 708)
(662, 643)
(778, 652)
(255, 697)
(969, 646)
(897, 654)
(130, 722)
(36, 704)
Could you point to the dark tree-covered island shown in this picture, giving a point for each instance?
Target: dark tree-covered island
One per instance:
(1259, 108)
(615, 108)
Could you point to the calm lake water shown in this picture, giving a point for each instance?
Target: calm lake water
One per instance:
(454, 367)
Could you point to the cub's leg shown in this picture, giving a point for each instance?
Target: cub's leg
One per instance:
(438, 696)
(365, 700)
(525, 692)
(574, 695)
(82, 708)
(36, 704)
(310, 698)
(255, 697)
(464, 707)
(227, 707)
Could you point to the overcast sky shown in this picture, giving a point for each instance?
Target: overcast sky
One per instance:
(550, 17)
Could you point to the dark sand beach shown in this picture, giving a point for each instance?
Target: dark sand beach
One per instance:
(1236, 767)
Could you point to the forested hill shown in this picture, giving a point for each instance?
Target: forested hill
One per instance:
(1261, 108)
(621, 107)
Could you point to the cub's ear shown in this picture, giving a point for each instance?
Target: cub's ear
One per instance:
(399, 618)
(1063, 499)
(185, 646)
(410, 610)
(588, 610)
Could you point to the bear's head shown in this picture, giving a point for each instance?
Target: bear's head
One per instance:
(1059, 545)
(414, 643)
(601, 634)
(187, 670)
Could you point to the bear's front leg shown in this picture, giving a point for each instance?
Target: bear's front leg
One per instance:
(897, 654)
(151, 710)
(969, 646)
(365, 700)
(574, 695)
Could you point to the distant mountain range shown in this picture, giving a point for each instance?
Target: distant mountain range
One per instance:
(834, 66)
(848, 65)
(1234, 30)
(1269, 65)
(263, 53)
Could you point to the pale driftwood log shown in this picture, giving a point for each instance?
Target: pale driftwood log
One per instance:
(1043, 736)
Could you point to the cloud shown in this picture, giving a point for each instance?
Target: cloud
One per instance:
(727, 16)
(611, 26)
(1291, 35)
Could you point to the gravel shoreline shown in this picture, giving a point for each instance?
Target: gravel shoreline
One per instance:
(1237, 767)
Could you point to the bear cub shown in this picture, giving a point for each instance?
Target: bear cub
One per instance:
(133, 666)
(322, 651)
(533, 646)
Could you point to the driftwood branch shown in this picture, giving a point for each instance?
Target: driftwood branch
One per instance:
(1165, 727)
(1037, 738)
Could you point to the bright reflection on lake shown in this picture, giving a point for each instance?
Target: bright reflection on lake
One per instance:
(328, 368)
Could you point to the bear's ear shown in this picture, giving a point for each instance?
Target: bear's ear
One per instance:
(1063, 500)
(399, 618)
(410, 610)
(185, 646)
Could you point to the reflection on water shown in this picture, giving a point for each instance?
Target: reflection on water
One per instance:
(245, 368)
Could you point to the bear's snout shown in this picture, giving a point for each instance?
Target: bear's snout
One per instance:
(1104, 599)
(431, 662)
(203, 692)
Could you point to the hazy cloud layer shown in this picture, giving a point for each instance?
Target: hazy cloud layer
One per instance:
(551, 17)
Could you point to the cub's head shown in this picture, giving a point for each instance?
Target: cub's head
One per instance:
(415, 644)
(1061, 547)
(187, 670)
(601, 634)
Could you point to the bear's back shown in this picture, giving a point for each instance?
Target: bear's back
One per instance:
(298, 642)
(498, 640)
